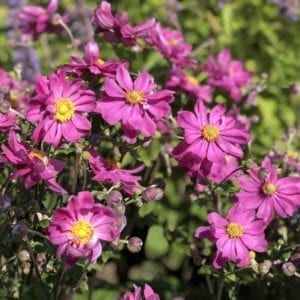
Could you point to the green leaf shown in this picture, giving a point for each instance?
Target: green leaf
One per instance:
(156, 244)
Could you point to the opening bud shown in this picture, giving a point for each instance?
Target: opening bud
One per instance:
(135, 244)
(114, 198)
(152, 194)
(288, 268)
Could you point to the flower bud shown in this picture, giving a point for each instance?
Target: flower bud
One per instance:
(19, 230)
(288, 268)
(152, 194)
(120, 222)
(4, 106)
(114, 198)
(134, 244)
(23, 255)
(264, 267)
(85, 155)
(5, 202)
(263, 173)
(120, 209)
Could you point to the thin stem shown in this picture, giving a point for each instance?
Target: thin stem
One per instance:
(227, 176)
(84, 271)
(35, 265)
(219, 296)
(74, 184)
(60, 276)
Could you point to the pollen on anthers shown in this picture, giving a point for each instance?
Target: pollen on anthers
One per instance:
(65, 109)
(134, 96)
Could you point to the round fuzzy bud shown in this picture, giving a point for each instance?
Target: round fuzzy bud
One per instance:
(19, 230)
(288, 268)
(85, 155)
(23, 255)
(114, 198)
(135, 244)
(264, 267)
(4, 106)
(152, 194)
(5, 202)
(263, 173)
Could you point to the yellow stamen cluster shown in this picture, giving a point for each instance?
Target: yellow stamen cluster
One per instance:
(234, 230)
(192, 80)
(100, 61)
(269, 189)
(65, 109)
(81, 232)
(210, 132)
(40, 155)
(134, 96)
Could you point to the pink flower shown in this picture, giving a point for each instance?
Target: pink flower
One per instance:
(134, 103)
(234, 236)
(110, 171)
(227, 74)
(139, 294)
(179, 80)
(35, 20)
(32, 164)
(170, 44)
(60, 107)
(79, 228)
(92, 64)
(117, 28)
(264, 191)
(211, 135)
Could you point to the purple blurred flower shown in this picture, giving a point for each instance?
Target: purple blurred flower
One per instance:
(227, 74)
(179, 80)
(171, 45)
(35, 20)
(116, 28)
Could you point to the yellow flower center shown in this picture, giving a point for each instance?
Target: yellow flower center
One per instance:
(100, 61)
(14, 99)
(40, 155)
(210, 132)
(64, 110)
(234, 230)
(269, 189)
(110, 164)
(292, 154)
(81, 232)
(173, 42)
(134, 96)
(192, 80)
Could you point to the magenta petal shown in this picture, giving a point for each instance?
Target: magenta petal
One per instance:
(112, 89)
(255, 243)
(81, 122)
(124, 78)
